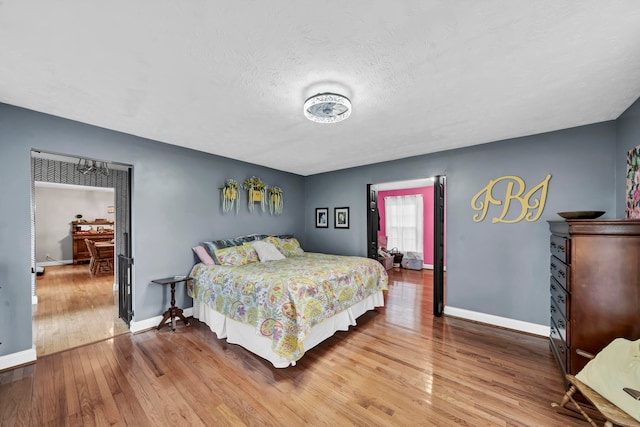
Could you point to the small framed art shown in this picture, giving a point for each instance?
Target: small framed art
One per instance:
(341, 217)
(322, 217)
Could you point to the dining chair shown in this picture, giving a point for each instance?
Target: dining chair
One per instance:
(98, 265)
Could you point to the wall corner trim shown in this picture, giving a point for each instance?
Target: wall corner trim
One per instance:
(503, 322)
(17, 359)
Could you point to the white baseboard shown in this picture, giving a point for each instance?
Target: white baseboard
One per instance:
(17, 359)
(430, 267)
(151, 323)
(503, 322)
(48, 263)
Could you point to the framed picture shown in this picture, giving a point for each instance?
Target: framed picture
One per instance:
(632, 209)
(341, 217)
(322, 217)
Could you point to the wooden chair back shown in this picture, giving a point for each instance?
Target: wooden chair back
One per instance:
(91, 246)
(98, 265)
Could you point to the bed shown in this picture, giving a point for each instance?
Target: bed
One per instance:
(280, 308)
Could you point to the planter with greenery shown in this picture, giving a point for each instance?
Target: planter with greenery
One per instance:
(276, 202)
(230, 195)
(256, 192)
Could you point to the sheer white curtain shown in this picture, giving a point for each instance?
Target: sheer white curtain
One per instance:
(403, 222)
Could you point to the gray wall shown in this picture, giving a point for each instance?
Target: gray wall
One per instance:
(498, 269)
(628, 134)
(176, 202)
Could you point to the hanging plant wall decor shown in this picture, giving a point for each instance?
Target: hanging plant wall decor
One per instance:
(275, 200)
(230, 195)
(256, 192)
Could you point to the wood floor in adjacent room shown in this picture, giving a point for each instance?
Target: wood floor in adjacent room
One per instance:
(399, 367)
(74, 309)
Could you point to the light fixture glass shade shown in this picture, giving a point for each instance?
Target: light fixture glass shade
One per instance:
(327, 108)
(86, 166)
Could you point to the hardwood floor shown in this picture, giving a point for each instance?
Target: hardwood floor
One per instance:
(74, 309)
(398, 367)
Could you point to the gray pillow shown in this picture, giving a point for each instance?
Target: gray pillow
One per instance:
(213, 245)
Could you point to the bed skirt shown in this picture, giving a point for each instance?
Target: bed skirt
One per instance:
(244, 335)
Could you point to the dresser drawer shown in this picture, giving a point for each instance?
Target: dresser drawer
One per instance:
(561, 248)
(559, 271)
(560, 322)
(560, 296)
(559, 347)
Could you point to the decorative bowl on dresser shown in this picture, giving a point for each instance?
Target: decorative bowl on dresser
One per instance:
(581, 214)
(595, 287)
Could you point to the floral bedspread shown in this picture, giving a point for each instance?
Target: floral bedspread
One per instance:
(284, 299)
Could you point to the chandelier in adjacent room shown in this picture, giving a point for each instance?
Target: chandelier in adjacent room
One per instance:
(86, 166)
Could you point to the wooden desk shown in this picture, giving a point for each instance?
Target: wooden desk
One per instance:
(173, 311)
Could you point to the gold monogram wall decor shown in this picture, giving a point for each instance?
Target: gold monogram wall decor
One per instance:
(530, 207)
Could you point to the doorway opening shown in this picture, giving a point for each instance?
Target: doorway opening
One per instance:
(431, 202)
(74, 305)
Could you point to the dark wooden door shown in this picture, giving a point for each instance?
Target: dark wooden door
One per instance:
(373, 222)
(125, 256)
(438, 245)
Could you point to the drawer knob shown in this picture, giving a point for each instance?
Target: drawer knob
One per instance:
(562, 274)
(561, 298)
(561, 323)
(561, 248)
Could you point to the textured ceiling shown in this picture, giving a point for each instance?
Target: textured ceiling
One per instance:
(230, 78)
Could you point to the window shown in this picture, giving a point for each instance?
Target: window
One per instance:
(404, 222)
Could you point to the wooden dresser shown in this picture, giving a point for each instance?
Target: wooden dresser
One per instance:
(98, 231)
(595, 287)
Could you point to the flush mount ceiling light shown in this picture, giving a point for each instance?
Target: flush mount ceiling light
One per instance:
(327, 108)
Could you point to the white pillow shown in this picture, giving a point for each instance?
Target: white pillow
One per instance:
(267, 251)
